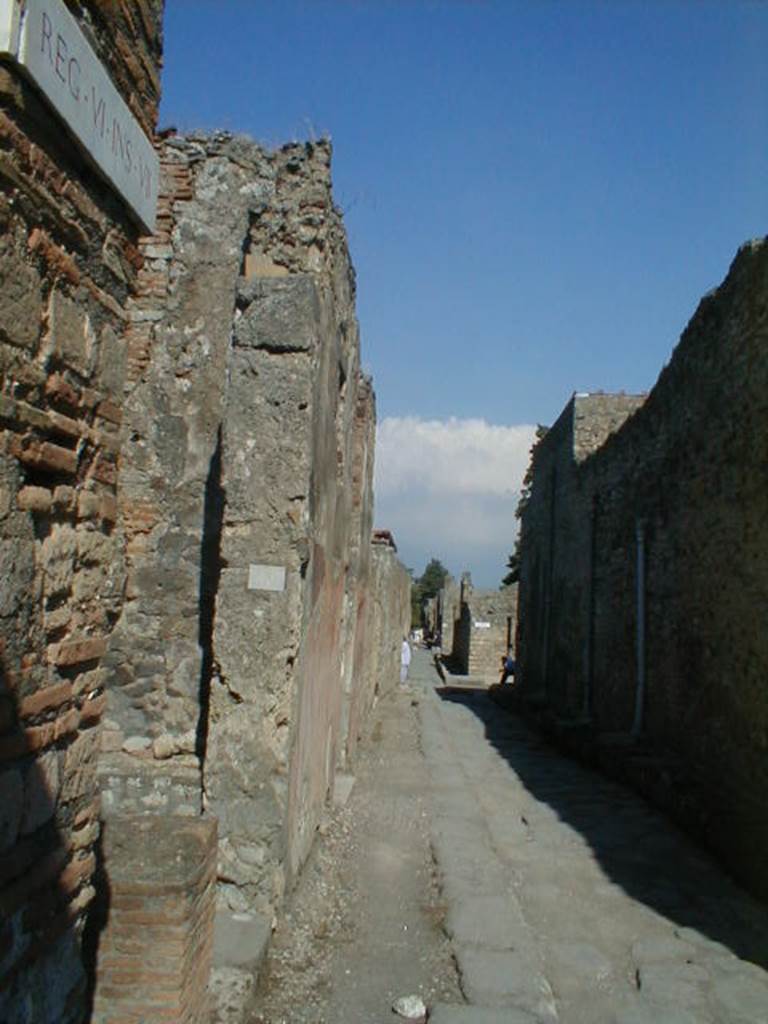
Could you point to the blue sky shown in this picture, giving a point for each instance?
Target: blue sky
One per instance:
(537, 195)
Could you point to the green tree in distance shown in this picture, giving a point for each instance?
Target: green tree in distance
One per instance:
(431, 581)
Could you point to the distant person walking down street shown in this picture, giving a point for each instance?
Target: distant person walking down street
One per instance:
(507, 667)
(405, 660)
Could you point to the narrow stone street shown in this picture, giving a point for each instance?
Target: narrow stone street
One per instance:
(554, 894)
(569, 898)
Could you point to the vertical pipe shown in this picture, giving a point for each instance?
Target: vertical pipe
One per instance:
(550, 580)
(589, 643)
(637, 724)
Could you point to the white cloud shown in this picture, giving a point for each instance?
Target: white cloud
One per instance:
(449, 489)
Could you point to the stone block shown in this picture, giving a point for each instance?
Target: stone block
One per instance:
(48, 698)
(443, 1013)
(7, 714)
(78, 774)
(17, 575)
(256, 264)
(34, 499)
(11, 806)
(87, 584)
(71, 336)
(41, 791)
(20, 300)
(57, 556)
(240, 940)
(75, 652)
(88, 505)
(282, 315)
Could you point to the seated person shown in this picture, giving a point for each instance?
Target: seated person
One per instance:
(507, 667)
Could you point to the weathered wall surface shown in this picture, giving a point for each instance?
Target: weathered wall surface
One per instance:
(193, 623)
(556, 551)
(254, 611)
(681, 483)
(484, 630)
(68, 266)
(449, 614)
(493, 616)
(170, 493)
(360, 598)
(391, 615)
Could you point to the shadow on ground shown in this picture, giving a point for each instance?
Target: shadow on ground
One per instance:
(636, 846)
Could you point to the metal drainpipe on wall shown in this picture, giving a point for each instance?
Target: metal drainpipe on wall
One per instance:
(637, 724)
(550, 576)
(589, 643)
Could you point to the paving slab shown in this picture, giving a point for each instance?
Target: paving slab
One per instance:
(494, 922)
(495, 978)
(445, 1014)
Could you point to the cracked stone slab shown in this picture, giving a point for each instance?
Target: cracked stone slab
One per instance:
(504, 979)
(442, 1013)
(468, 870)
(635, 1010)
(493, 922)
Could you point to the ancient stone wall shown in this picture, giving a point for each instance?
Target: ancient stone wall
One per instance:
(449, 615)
(485, 630)
(361, 611)
(662, 565)
(250, 643)
(68, 268)
(493, 630)
(556, 551)
(391, 590)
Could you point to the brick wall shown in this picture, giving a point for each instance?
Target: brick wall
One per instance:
(154, 953)
(682, 481)
(68, 266)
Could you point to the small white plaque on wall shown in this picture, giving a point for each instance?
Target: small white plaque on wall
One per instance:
(482, 625)
(266, 577)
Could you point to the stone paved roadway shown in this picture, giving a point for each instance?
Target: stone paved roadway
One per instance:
(569, 898)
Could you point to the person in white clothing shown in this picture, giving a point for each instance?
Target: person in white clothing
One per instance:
(405, 660)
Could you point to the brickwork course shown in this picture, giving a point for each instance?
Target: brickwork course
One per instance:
(643, 574)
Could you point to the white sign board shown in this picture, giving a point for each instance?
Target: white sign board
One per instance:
(482, 625)
(10, 13)
(266, 577)
(46, 41)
